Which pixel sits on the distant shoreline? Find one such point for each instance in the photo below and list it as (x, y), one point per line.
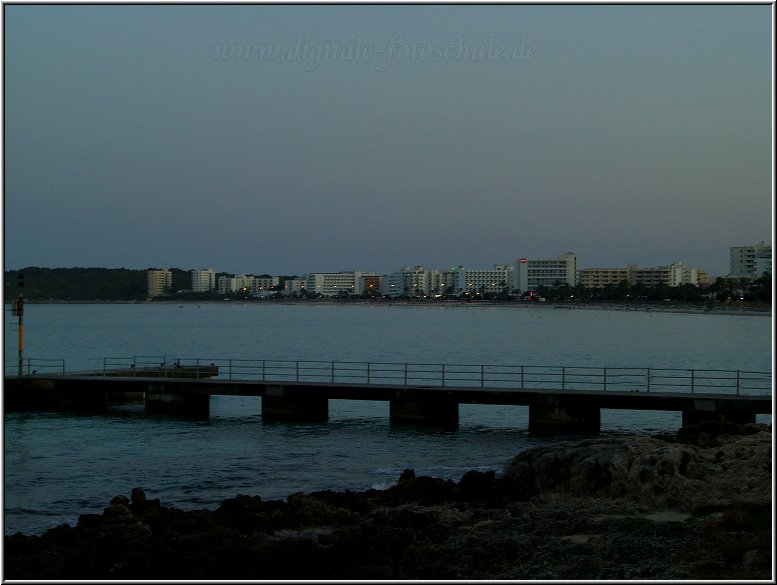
(643, 308)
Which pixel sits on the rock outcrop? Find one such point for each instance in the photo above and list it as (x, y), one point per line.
(701, 468)
(692, 506)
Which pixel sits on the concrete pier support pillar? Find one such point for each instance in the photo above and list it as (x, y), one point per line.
(161, 401)
(424, 413)
(282, 404)
(712, 410)
(557, 414)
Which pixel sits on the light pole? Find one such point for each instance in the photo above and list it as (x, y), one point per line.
(18, 310)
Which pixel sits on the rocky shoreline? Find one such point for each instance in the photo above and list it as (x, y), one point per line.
(695, 505)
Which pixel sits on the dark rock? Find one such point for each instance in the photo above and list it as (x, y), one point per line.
(711, 433)
(478, 486)
(138, 497)
(120, 501)
(423, 489)
(407, 478)
(650, 471)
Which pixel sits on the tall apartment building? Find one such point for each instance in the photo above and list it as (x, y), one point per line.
(294, 285)
(696, 276)
(263, 285)
(674, 274)
(333, 284)
(393, 285)
(371, 284)
(256, 286)
(232, 284)
(417, 281)
(671, 275)
(532, 273)
(751, 261)
(203, 280)
(496, 280)
(764, 262)
(159, 282)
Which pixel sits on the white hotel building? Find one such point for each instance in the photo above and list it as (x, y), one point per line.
(262, 286)
(256, 286)
(294, 286)
(414, 281)
(232, 284)
(495, 280)
(203, 280)
(333, 284)
(751, 261)
(418, 281)
(531, 273)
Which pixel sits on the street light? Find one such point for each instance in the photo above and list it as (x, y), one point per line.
(18, 310)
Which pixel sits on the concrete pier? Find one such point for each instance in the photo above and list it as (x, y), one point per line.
(551, 411)
(50, 394)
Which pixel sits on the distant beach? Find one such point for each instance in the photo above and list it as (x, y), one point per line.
(748, 311)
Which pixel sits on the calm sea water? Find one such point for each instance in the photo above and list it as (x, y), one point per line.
(58, 466)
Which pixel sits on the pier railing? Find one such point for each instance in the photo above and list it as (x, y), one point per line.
(654, 380)
(35, 366)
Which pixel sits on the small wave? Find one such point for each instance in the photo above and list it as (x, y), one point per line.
(35, 522)
(32, 512)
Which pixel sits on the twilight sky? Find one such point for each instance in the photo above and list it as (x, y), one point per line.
(374, 137)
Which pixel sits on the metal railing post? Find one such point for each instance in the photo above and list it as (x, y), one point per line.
(737, 382)
(263, 370)
(333, 372)
(648, 379)
(368, 372)
(605, 379)
(405, 373)
(693, 375)
(297, 368)
(563, 377)
(443, 374)
(481, 375)
(522, 377)
(230, 369)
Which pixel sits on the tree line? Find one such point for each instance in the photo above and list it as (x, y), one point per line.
(85, 284)
(756, 290)
(101, 284)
